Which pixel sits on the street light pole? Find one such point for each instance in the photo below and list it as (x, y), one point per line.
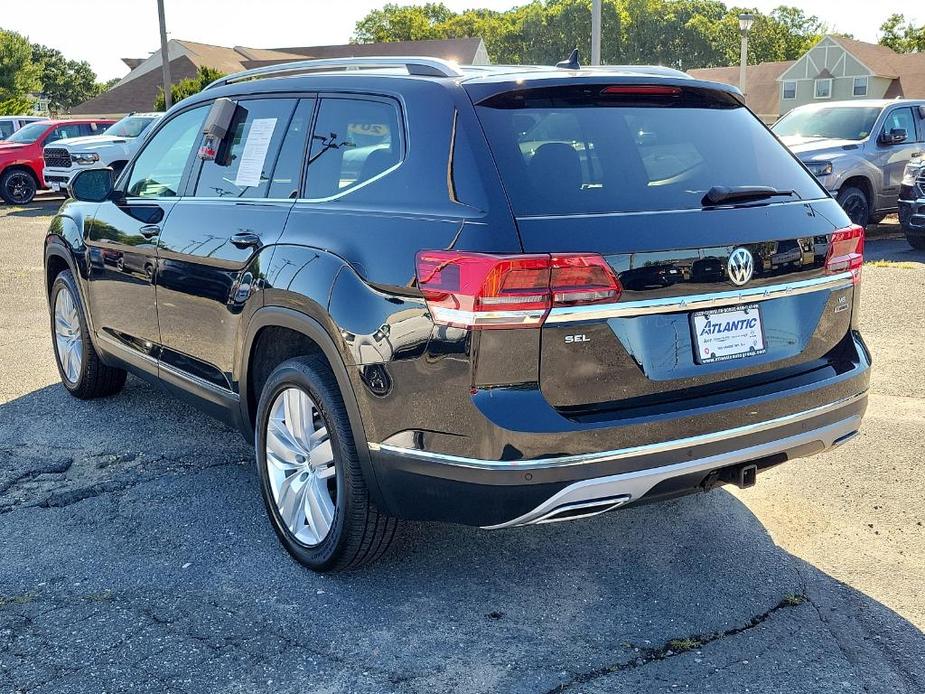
(595, 32)
(745, 23)
(165, 61)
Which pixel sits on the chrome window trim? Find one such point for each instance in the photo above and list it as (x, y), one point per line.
(696, 302)
(621, 453)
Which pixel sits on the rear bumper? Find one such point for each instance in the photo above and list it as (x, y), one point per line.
(573, 471)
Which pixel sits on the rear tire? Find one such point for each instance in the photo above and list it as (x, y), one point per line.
(855, 203)
(17, 186)
(309, 471)
(82, 372)
(917, 242)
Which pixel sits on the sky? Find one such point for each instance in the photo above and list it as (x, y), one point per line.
(104, 31)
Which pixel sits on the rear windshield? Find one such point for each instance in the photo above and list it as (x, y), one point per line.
(560, 151)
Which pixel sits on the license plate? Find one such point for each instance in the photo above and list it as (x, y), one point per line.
(727, 333)
(56, 187)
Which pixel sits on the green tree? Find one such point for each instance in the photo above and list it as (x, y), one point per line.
(902, 36)
(402, 23)
(19, 76)
(679, 33)
(65, 83)
(191, 85)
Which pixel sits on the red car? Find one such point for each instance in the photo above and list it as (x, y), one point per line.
(21, 162)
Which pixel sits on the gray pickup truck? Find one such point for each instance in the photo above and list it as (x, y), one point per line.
(858, 149)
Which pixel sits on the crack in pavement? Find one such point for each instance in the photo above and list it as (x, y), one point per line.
(676, 646)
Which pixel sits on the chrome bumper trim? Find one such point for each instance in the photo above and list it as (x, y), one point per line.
(697, 302)
(618, 454)
(607, 493)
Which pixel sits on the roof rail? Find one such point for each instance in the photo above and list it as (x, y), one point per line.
(428, 67)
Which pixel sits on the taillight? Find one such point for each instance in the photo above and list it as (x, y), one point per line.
(479, 290)
(846, 252)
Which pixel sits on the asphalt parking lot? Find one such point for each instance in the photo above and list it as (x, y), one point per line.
(135, 554)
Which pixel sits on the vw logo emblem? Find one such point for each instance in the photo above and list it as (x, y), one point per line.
(740, 267)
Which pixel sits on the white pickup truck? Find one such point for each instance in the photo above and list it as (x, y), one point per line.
(114, 148)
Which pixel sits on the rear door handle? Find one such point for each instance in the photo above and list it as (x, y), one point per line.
(149, 230)
(245, 239)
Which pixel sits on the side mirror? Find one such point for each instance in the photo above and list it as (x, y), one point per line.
(896, 136)
(92, 185)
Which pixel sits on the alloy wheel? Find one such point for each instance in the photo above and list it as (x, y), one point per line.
(300, 466)
(20, 187)
(856, 208)
(67, 335)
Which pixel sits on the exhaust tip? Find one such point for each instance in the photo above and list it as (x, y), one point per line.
(585, 509)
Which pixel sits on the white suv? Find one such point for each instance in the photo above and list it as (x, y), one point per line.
(114, 148)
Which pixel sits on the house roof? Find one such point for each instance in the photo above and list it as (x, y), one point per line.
(760, 82)
(137, 90)
(462, 51)
(878, 59)
(911, 81)
(137, 94)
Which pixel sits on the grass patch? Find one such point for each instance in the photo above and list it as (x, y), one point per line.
(24, 599)
(682, 645)
(792, 600)
(893, 264)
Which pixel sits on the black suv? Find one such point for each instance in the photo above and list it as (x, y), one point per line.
(496, 296)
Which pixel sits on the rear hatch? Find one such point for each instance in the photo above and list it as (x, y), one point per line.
(720, 239)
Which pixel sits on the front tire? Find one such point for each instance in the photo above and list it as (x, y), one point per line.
(309, 471)
(917, 242)
(17, 187)
(82, 372)
(855, 203)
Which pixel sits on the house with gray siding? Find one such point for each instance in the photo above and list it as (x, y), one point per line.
(835, 69)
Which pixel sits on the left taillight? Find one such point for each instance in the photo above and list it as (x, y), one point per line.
(846, 252)
(480, 290)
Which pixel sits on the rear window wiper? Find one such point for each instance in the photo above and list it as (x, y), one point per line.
(719, 195)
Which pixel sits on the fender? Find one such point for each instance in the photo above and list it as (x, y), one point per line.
(278, 316)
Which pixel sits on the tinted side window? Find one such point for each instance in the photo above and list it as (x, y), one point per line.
(901, 119)
(6, 129)
(246, 157)
(158, 170)
(63, 131)
(354, 140)
(286, 175)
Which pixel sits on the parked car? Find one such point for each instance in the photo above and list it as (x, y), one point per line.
(858, 149)
(21, 163)
(10, 124)
(912, 204)
(442, 332)
(113, 149)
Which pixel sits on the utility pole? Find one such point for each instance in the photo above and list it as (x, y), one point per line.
(745, 23)
(595, 32)
(165, 61)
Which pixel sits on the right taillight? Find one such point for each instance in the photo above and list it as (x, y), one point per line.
(481, 290)
(846, 252)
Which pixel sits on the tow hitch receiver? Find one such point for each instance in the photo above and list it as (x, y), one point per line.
(743, 476)
(748, 475)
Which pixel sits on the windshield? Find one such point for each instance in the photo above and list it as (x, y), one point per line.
(130, 126)
(574, 154)
(836, 123)
(28, 134)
